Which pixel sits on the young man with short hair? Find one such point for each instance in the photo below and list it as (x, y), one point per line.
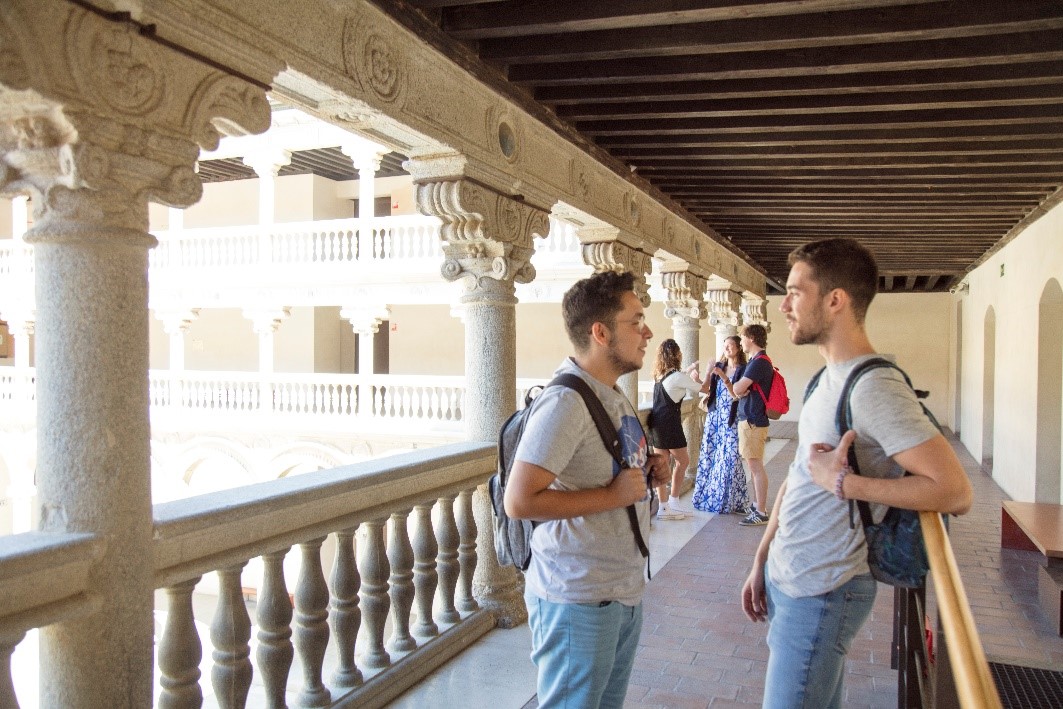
(585, 582)
(753, 417)
(810, 577)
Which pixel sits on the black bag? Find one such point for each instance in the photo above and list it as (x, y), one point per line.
(895, 551)
(513, 536)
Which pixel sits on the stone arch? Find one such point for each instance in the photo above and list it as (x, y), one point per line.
(1049, 394)
(218, 456)
(989, 345)
(307, 457)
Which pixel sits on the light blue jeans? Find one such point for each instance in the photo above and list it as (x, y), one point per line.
(809, 638)
(583, 651)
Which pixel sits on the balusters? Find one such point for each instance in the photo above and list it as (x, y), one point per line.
(8, 643)
(400, 556)
(179, 651)
(372, 565)
(424, 570)
(346, 616)
(274, 616)
(466, 552)
(447, 560)
(311, 626)
(230, 633)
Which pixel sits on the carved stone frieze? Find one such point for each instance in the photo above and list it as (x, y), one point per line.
(724, 306)
(96, 119)
(686, 295)
(486, 236)
(619, 257)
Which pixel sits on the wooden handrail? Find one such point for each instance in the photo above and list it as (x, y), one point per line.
(974, 683)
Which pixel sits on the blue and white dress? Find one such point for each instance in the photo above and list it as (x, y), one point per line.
(720, 485)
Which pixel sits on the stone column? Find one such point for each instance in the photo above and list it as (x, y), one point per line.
(365, 321)
(267, 162)
(366, 157)
(724, 307)
(264, 322)
(685, 306)
(175, 324)
(487, 243)
(617, 256)
(97, 120)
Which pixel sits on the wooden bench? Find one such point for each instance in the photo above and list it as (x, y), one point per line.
(1038, 526)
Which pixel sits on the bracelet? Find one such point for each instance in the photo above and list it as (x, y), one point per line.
(840, 480)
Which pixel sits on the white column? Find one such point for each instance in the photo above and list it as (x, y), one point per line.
(366, 157)
(365, 321)
(20, 217)
(267, 162)
(176, 324)
(264, 322)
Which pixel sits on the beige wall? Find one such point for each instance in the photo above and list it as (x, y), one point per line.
(426, 339)
(1029, 262)
(400, 188)
(5, 218)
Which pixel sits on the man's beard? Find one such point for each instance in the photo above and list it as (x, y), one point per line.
(810, 333)
(621, 365)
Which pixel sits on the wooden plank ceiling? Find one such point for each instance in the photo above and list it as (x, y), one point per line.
(931, 131)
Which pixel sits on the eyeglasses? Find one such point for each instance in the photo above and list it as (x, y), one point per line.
(639, 322)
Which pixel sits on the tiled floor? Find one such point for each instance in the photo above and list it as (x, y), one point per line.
(699, 650)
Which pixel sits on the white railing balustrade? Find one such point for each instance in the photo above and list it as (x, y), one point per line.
(395, 536)
(16, 261)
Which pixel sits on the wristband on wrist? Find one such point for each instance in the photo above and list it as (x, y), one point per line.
(839, 481)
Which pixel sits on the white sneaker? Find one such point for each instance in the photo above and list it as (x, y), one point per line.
(677, 506)
(667, 514)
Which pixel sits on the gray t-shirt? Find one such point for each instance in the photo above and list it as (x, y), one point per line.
(814, 551)
(591, 558)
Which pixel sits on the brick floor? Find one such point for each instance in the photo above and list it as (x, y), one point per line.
(699, 650)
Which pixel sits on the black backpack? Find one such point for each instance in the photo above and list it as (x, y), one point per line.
(895, 551)
(513, 536)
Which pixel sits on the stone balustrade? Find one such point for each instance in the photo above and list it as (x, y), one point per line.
(399, 543)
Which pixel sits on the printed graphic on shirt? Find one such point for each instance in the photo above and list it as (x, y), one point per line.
(633, 449)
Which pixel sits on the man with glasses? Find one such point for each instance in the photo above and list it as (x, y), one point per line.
(585, 582)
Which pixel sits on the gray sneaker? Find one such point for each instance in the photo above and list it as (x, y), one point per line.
(754, 519)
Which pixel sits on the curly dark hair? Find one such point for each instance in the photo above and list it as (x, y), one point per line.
(668, 358)
(593, 299)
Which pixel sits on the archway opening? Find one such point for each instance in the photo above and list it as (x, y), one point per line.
(988, 387)
(1049, 393)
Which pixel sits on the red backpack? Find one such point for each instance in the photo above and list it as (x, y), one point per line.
(777, 402)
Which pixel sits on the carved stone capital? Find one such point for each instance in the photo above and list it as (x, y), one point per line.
(615, 256)
(266, 320)
(724, 306)
(175, 322)
(365, 319)
(96, 119)
(686, 293)
(755, 311)
(486, 235)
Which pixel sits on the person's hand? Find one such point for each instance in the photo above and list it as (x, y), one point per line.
(629, 486)
(825, 462)
(754, 597)
(719, 372)
(657, 465)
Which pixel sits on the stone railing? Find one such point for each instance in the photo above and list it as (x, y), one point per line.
(398, 535)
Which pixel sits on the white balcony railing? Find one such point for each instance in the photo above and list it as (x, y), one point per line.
(311, 397)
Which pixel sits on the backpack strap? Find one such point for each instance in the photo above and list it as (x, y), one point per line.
(756, 386)
(610, 438)
(813, 383)
(844, 421)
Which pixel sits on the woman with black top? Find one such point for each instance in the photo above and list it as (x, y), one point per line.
(666, 425)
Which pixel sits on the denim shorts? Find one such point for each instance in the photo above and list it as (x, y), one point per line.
(809, 638)
(584, 652)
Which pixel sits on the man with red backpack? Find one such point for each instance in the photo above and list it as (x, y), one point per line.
(753, 416)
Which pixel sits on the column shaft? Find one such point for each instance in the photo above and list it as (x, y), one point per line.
(93, 467)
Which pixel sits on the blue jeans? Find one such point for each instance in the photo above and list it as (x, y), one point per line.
(583, 651)
(809, 638)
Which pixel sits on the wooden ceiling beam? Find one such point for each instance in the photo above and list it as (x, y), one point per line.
(515, 18)
(1040, 45)
(972, 18)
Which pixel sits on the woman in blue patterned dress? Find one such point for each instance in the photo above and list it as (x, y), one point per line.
(720, 485)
